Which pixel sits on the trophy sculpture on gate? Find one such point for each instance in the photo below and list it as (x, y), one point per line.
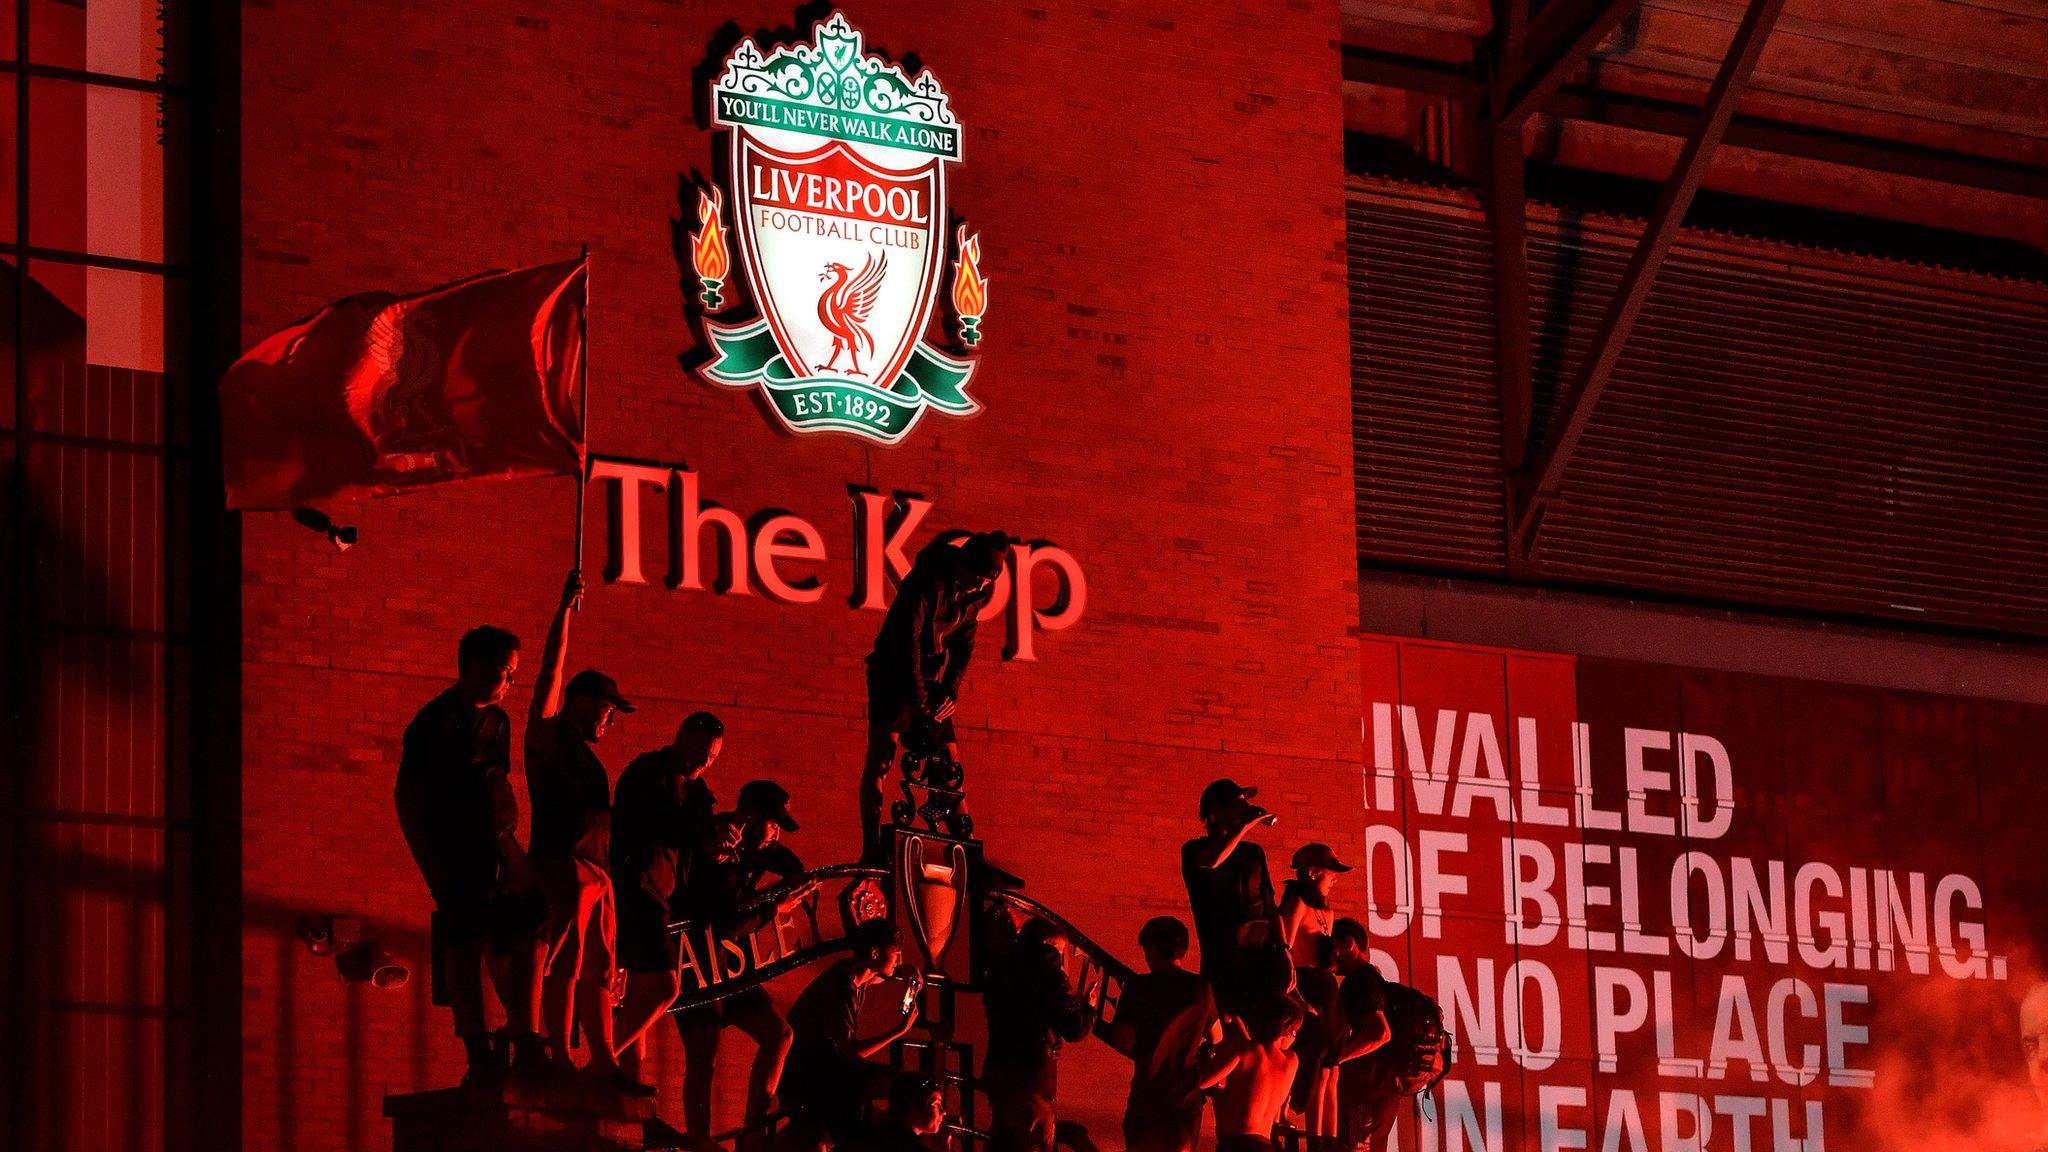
(936, 862)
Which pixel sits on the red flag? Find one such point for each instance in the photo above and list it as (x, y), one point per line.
(382, 393)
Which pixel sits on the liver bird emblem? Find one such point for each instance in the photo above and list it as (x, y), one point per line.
(843, 308)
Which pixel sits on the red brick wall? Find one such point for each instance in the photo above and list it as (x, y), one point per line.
(1158, 188)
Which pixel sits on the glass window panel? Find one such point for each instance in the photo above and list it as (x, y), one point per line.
(110, 911)
(95, 1081)
(52, 302)
(96, 735)
(141, 39)
(8, 16)
(103, 318)
(124, 328)
(10, 159)
(95, 524)
(56, 33)
(99, 163)
(117, 405)
(56, 164)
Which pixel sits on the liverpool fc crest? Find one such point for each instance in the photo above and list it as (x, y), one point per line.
(837, 181)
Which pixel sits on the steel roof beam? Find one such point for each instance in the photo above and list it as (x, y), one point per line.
(1562, 36)
(1534, 488)
(1671, 118)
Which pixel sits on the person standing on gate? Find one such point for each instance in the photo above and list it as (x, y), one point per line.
(460, 818)
(1163, 1017)
(722, 893)
(833, 1069)
(920, 655)
(572, 811)
(1031, 1012)
(1367, 1096)
(1306, 921)
(1230, 891)
(661, 810)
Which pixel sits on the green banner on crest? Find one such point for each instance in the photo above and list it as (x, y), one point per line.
(747, 354)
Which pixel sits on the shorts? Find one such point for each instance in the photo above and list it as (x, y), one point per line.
(467, 906)
(580, 912)
(461, 917)
(502, 921)
(1317, 988)
(645, 944)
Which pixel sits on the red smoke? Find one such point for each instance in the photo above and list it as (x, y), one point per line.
(1951, 1076)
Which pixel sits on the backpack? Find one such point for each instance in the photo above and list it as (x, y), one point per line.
(1418, 1049)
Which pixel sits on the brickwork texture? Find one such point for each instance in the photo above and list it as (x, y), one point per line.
(1158, 188)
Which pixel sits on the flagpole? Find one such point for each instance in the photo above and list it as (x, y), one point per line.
(583, 389)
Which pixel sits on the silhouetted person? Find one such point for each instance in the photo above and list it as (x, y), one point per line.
(1305, 925)
(2034, 1047)
(459, 816)
(1031, 1012)
(832, 1068)
(1367, 1095)
(661, 810)
(920, 654)
(722, 889)
(1163, 1017)
(571, 845)
(917, 1110)
(1229, 890)
(1253, 1069)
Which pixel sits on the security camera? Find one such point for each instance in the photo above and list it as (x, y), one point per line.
(365, 963)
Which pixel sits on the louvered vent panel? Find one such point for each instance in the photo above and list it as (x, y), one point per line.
(1425, 408)
(1786, 429)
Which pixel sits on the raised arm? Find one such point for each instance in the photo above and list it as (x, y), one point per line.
(547, 687)
(1207, 857)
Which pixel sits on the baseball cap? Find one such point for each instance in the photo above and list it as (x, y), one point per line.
(770, 798)
(1222, 793)
(591, 682)
(1319, 855)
